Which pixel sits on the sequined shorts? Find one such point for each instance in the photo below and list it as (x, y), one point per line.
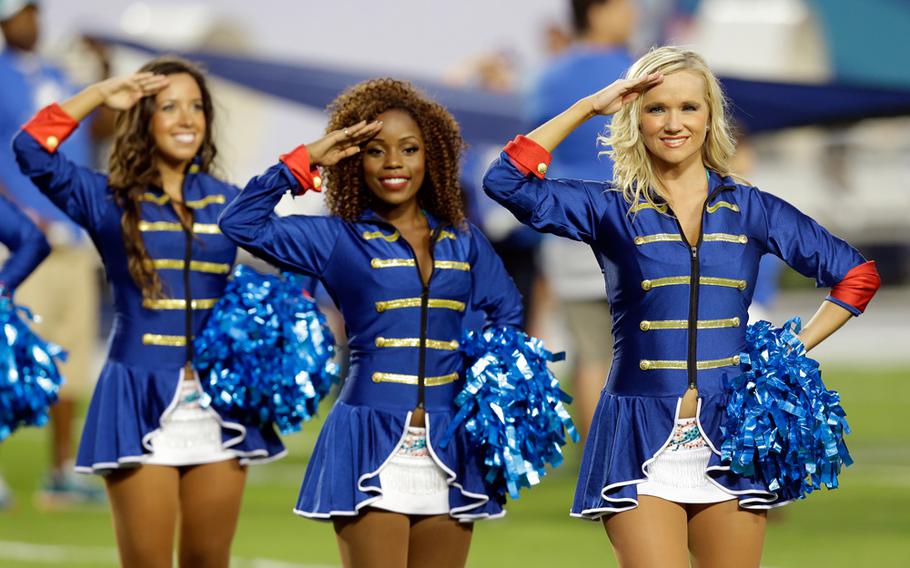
(189, 434)
(411, 481)
(677, 472)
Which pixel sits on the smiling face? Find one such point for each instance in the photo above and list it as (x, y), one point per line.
(394, 161)
(674, 120)
(178, 122)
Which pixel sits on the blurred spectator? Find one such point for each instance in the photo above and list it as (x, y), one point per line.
(63, 291)
(598, 56)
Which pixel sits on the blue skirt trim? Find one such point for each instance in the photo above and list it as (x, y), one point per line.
(356, 442)
(126, 411)
(627, 434)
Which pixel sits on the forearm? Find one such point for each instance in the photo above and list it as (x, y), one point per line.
(83, 103)
(828, 319)
(551, 133)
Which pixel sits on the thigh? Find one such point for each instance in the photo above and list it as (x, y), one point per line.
(210, 498)
(373, 539)
(439, 541)
(144, 503)
(652, 534)
(724, 535)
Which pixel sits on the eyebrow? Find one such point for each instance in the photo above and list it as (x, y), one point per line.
(379, 138)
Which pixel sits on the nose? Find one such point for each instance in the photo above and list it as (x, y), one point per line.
(673, 123)
(392, 159)
(185, 117)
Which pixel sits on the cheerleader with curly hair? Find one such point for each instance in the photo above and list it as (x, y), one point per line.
(404, 267)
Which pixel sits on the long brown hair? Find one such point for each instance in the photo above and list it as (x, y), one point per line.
(133, 167)
(347, 194)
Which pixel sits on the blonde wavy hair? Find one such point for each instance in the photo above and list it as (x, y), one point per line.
(633, 172)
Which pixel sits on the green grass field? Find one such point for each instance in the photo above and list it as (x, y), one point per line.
(865, 523)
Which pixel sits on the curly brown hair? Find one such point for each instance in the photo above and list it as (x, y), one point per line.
(346, 192)
(133, 167)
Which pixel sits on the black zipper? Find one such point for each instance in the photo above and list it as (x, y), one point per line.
(187, 289)
(424, 311)
(694, 288)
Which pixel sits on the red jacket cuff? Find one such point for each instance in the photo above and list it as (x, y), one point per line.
(306, 174)
(858, 286)
(528, 156)
(51, 126)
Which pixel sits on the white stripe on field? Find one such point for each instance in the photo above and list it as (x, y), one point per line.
(64, 554)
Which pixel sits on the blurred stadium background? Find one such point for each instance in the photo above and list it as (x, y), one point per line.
(276, 63)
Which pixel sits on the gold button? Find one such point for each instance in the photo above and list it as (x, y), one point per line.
(194, 169)
(380, 308)
(741, 285)
(736, 322)
(645, 285)
(52, 142)
(454, 344)
(380, 341)
(638, 240)
(644, 365)
(743, 239)
(736, 359)
(377, 377)
(645, 325)
(542, 168)
(317, 182)
(375, 263)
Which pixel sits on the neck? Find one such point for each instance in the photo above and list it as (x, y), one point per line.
(680, 180)
(403, 215)
(171, 175)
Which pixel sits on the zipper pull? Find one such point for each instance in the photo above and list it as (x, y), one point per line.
(694, 252)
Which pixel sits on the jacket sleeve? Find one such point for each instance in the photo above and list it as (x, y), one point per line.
(563, 207)
(298, 243)
(26, 244)
(493, 291)
(79, 192)
(814, 252)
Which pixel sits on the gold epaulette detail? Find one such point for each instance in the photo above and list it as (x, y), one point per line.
(703, 280)
(452, 265)
(370, 235)
(398, 262)
(725, 238)
(731, 206)
(164, 340)
(415, 303)
(641, 206)
(647, 325)
(650, 365)
(205, 201)
(195, 265)
(201, 228)
(156, 199)
(196, 204)
(391, 262)
(445, 235)
(727, 282)
(178, 304)
(657, 238)
(415, 342)
(413, 379)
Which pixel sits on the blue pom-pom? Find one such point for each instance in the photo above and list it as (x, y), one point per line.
(783, 427)
(511, 408)
(266, 353)
(29, 378)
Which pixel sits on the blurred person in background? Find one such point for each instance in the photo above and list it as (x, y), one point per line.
(680, 239)
(405, 268)
(28, 82)
(599, 55)
(169, 463)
